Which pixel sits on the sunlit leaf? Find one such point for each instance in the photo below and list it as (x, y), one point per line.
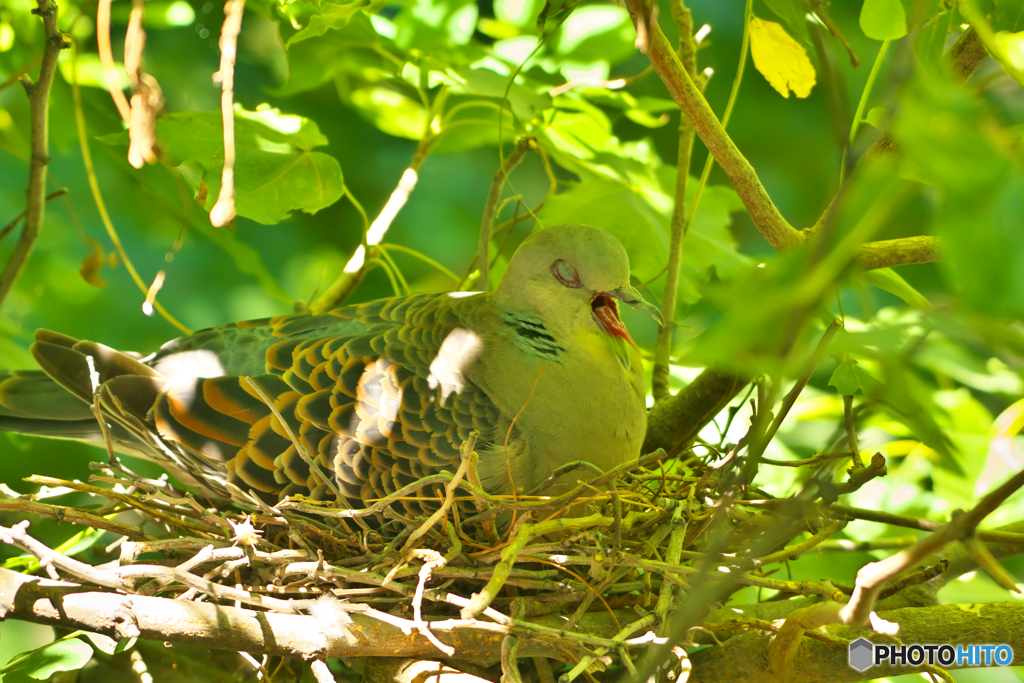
(596, 33)
(391, 111)
(521, 13)
(334, 16)
(883, 19)
(276, 169)
(1009, 51)
(875, 116)
(889, 280)
(849, 379)
(780, 59)
(41, 664)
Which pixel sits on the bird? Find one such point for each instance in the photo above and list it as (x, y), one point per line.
(377, 395)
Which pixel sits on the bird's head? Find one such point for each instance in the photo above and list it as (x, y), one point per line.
(576, 274)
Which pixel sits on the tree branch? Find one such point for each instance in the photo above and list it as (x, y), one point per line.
(825, 657)
(59, 603)
(675, 422)
(684, 91)
(966, 55)
(39, 100)
(899, 252)
(663, 349)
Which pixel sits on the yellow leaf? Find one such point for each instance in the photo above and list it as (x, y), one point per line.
(780, 59)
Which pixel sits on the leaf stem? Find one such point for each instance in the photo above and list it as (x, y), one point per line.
(422, 257)
(862, 105)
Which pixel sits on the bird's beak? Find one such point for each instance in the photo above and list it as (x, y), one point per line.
(629, 296)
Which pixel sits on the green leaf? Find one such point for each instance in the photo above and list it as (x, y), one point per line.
(849, 378)
(42, 663)
(875, 117)
(955, 143)
(355, 50)
(883, 19)
(526, 103)
(276, 171)
(599, 33)
(334, 16)
(390, 110)
(1005, 15)
(890, 281)
(521, 13)
(794, 13)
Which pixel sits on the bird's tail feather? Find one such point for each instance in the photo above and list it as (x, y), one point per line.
(57, 403)
(32, 403)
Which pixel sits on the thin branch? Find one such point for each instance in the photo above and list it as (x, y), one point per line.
(859, 611)
(966, 55)
(223, 212)
(16, 76)
(39, 105)
(675, 422)
(899, 252)
(684, 91)
(355, 269)
(893, 519)
(871, 577)
(790, 399)
(17, 219)
(663, 348)
(60, 513)
(491, 206)
(107, 59)
(320, 671)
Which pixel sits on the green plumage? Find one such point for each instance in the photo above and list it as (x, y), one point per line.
(377, 394)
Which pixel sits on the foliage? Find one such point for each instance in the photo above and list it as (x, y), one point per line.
(334, 101)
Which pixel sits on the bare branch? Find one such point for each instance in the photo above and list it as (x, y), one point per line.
(675, 422)
(223, 212)
(39, 104)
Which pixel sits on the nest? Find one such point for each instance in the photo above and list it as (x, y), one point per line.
(585, 577)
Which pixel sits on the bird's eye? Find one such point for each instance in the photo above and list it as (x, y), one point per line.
(566, 274)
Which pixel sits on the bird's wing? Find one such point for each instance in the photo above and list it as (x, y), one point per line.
(378, 395)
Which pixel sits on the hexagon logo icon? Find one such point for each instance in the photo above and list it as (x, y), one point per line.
(862, 654)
